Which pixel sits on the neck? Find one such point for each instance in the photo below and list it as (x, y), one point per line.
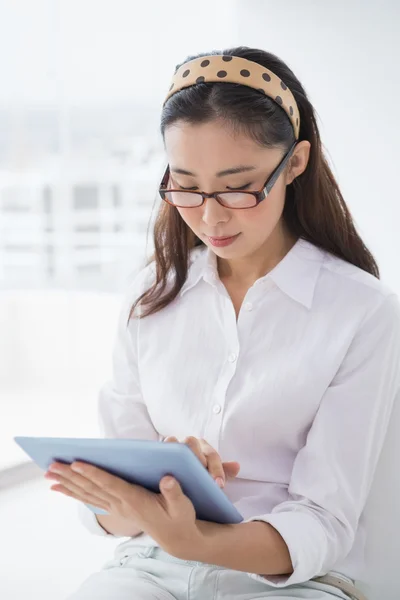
(244, 271)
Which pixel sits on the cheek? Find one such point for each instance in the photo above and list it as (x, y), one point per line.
(191, 216)
(265, 215)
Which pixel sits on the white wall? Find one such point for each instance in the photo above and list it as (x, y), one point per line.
(55, 354)
(345, 56)
(345, 53)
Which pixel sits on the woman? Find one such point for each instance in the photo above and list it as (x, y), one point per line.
(261, 336)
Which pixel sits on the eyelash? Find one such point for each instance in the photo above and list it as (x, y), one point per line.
(193, 189)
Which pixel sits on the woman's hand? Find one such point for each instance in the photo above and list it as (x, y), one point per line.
(169, 517)
(210, 459)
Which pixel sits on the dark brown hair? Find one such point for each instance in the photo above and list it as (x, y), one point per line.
(314, 206)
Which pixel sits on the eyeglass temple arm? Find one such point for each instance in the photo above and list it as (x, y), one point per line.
(280, 168)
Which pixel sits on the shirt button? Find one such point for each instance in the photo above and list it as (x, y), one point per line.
(248, 306)
(232, 357)
(216, 409)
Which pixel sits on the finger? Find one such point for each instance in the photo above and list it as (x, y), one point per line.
(86, 498)
(194, 445)
(231, 468)
(120, 495)
(214, 463)
(171, 438)
(79, 494)
(109, 485)
(80, 486)
(174, 497)
(94, 481)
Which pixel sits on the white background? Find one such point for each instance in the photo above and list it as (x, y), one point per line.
(94, 52)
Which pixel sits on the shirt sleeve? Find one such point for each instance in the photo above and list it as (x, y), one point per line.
(333, 472)
(122, 412)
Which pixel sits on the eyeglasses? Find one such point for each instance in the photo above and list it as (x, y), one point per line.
(236, 199)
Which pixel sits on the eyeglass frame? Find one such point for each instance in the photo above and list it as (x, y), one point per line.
(259, 195)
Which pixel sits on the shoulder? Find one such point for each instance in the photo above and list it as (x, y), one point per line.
(344, 285)
(144, 277)
(139, 280)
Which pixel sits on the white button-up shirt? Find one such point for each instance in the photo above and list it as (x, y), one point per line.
(298, 389)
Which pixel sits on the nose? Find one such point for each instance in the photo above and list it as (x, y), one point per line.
(214, 213)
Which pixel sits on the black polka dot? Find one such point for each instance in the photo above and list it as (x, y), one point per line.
(245, 73)
(200, 79)
(291, 111)
(297, 121)
(222, 74)
(171, 87)
(283, 86)
(279, 100)
(205, 63)
(186, 73)
(266, 77)
(227, 58)
(261, 90)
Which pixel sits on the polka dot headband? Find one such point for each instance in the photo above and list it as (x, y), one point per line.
(234, 69)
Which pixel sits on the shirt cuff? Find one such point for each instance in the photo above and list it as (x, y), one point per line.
(90, 522)
(307, 542)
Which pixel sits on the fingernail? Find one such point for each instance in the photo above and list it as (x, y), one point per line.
(77, 469)
(55, 470)
(168, 484)
(220, 482)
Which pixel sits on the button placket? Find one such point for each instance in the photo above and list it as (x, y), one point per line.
(213, 427)
(214, 423)
(245, 313)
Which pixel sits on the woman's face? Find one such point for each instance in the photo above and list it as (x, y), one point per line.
(206, 149)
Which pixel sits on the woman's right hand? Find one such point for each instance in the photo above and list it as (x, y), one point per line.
(210, 459)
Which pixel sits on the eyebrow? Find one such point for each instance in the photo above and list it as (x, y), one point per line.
(232, 171)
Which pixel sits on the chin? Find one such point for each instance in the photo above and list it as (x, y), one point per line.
(231, 251)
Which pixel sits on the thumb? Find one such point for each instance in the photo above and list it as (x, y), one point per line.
(172, 492)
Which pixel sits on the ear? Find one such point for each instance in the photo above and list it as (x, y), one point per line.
(298, 161)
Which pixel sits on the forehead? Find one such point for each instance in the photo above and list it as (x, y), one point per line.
(212, 146)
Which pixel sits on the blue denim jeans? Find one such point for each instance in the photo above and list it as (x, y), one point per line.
(149, 573)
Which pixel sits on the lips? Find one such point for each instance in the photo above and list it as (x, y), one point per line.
(223, 241)
(225, 237)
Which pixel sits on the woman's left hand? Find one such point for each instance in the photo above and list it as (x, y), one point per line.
(169, 517)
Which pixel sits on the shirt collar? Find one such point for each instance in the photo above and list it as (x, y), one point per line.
(296, 274)
(201, 260)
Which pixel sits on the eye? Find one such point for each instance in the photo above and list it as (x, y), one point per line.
(231, 189)
(242, 187)
(176, 185)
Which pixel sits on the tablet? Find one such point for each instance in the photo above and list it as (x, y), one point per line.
(141, 462)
